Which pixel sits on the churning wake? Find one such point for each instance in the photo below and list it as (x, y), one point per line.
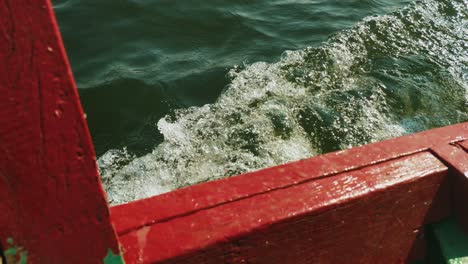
(388, 76)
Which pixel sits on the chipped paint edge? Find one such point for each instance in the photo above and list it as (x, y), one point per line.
(14, 253)
(112, 258)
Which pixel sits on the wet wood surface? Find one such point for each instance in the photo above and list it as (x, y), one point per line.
(365, 215)
(361, 205)
(179, 202)
(138, 223)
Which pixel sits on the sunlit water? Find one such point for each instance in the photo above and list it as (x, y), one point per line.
(375, 77)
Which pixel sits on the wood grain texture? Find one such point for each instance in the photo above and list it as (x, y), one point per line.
(362, 216)
(53, 209)
(352, 202)
(144, 212)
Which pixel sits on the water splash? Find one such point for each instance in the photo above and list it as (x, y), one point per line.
(388, 76)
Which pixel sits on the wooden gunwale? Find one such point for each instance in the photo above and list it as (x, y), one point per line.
(369, 203)
(242, 186)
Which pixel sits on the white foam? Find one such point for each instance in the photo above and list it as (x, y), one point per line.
(311, 101)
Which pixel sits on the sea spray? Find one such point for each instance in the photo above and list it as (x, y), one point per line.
(389, 75)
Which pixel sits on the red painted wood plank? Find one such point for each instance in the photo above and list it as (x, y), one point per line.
(53, 209)
(418, 251)
(456, 157)
(464, 144)
(160, 208)
(366, 215)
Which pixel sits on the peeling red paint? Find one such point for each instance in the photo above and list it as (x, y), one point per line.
(52, 203)
(218, 222)
(142, 235)
(361, 205)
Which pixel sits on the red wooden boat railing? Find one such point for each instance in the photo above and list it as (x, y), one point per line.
(364, 205)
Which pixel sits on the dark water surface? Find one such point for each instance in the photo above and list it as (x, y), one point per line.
(135, 60)
(360, 71)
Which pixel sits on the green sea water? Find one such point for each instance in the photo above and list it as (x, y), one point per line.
(180, 92)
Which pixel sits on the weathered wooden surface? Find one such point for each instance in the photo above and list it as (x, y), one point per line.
(364, 215)
(419, 250)
(52, 206)
(464, 144)
(203, 196)
(136, 222)
(456, 157)
(360, 205)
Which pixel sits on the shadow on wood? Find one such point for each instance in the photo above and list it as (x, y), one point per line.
(365, 204)
(52, 202)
